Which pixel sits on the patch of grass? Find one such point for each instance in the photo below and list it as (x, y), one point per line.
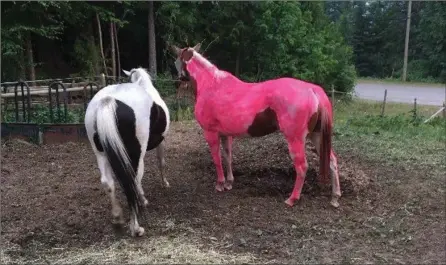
(399, 136)
(180, 109)
(181, 249)
(427, 83)
(41, 114)
(345, 109)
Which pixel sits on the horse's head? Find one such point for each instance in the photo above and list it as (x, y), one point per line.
(183, 55)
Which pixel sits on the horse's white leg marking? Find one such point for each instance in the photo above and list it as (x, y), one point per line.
(109, 186)
(227, 155)
(162, 163)
(212, 138)
(135, 229)
(335, 186)
(139, 179)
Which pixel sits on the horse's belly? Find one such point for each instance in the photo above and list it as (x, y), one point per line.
(234, 127)
(234, 124)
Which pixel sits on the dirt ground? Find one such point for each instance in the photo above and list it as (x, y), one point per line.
(54, 210)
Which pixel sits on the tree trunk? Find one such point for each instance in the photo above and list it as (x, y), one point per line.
(22, 64)
(100, 42)
(91, 39)
(259, 72)
(406, 43)
(113, 54)
(152, 45)
(30, 60)
(237, 62)
(117, 51)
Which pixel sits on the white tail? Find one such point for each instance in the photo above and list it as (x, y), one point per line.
(108, 131)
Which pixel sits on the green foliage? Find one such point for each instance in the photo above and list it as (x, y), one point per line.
(254, 40)
(431, 39)
(41, 114)
(321, 42)
(180, 109)
(264, 40)
(376, 31)
(87, 56)
(164, 84)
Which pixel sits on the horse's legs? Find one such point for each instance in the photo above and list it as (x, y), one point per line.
(227, 155)
(109, 186)
(296, 147)
(139, 176)
(213, 140)
(315, 138)
(162, 163)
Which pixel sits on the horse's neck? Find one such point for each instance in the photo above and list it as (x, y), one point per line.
(208, 76)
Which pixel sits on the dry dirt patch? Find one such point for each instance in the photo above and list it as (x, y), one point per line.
(53, 209)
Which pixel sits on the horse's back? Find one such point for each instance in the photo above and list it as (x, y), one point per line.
(129, 94)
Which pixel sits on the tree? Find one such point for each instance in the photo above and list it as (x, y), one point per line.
(36, 19)
(253, 40)
(152, 42)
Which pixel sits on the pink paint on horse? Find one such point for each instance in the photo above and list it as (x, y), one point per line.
(228, 107)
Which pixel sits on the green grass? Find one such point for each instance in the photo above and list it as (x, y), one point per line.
(399, 82)
(370, 107)
(397, 137)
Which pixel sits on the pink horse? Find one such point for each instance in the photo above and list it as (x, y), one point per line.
(226, 107)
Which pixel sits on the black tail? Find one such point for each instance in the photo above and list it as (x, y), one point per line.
(116, 127)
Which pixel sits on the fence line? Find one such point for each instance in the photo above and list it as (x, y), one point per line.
(24, 95)
(81, 78)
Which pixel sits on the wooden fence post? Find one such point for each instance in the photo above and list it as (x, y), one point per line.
(415, 107)
(103, 83)
(384, 103)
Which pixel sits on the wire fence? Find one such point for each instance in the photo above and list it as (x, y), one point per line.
(64, 100)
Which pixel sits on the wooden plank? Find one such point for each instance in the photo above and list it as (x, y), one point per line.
(45, 92)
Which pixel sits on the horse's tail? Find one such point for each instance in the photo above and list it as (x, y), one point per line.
(326, 133)
(110, 113)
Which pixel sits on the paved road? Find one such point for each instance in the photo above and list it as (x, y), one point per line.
(425, 94)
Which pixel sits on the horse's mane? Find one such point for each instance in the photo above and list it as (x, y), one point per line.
(140, 73)
(209, 67)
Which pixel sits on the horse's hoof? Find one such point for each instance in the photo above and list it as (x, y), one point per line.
(145, 202)
(228, 185)
(334, 202)
(138, 232)
(290, 202)
(220, 186)
(166, 184)
(118, 220)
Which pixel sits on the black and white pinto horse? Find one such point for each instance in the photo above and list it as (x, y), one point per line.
(123, 121)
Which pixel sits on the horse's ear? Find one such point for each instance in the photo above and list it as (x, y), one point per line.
(174, 49)
(197, 47)
(126, 72)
